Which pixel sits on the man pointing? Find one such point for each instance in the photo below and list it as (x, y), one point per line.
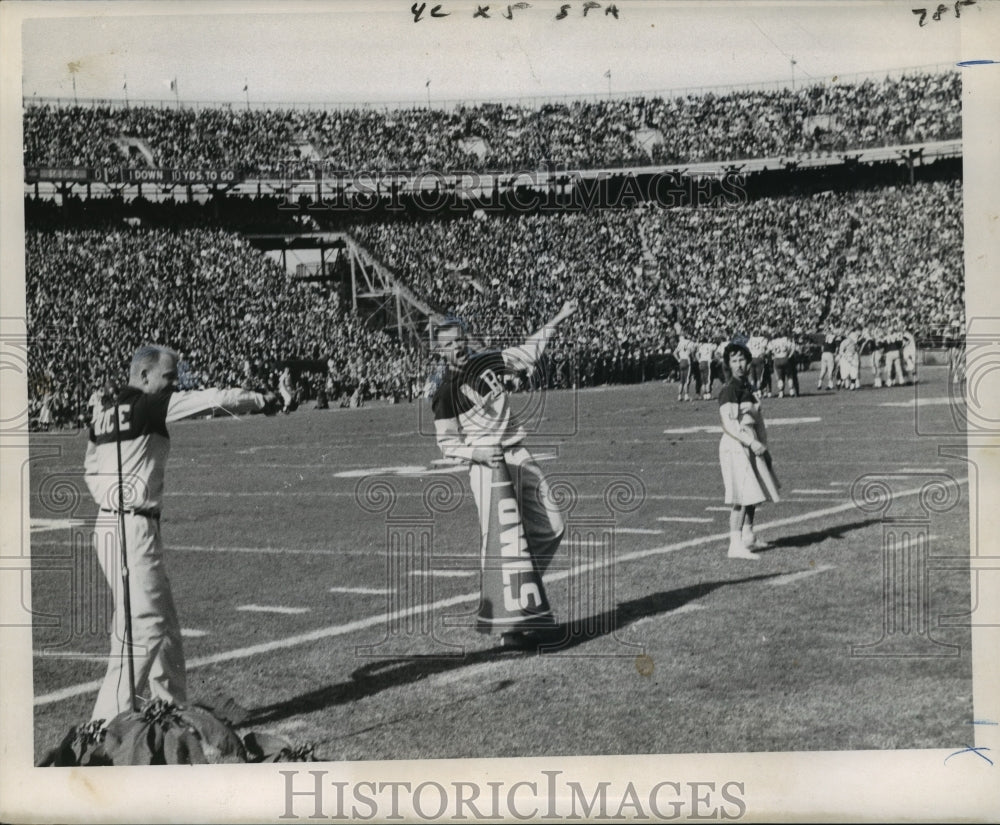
(124, 465)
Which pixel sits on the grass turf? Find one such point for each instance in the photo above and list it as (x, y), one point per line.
(675, 650)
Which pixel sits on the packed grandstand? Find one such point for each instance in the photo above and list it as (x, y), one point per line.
(836, 116)
(838, 251)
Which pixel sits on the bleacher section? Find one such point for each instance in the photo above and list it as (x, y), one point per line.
(799, 253)
(637, 131)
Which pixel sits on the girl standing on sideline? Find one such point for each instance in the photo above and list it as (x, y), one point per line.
(743, 454)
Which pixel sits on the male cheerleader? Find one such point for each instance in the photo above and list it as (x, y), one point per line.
(475, 424)
(124, 466)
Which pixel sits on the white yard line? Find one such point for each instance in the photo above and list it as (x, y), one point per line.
(333, 631)
(448, 574)
(405, 470)
(367, 551)
(922, 402)
(921, 470)
(70, 654)
(690, 607)
(418, 494)
(323, 551)
(263, 608)
(212, 548)
(802, 574)
(320, 493)
(367, 591)
(771, 422)
(409, 471)
(39, 525)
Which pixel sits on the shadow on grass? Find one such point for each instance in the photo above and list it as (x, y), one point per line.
(383, 674)
(816, 536)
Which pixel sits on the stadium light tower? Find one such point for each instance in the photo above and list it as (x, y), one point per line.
(793, 62)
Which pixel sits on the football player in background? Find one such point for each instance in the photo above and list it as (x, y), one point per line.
(894, 359)
(877, 339)
(910, 357)
(705, 354)
(687, 367)
(826, 362)
(850, 360)
(782, 351)
(759, 379)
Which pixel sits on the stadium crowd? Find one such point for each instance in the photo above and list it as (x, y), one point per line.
(634, 131)
(885, 257)
(230, 312)
(888, 258)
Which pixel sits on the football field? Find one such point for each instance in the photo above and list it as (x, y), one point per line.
(326, 572)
